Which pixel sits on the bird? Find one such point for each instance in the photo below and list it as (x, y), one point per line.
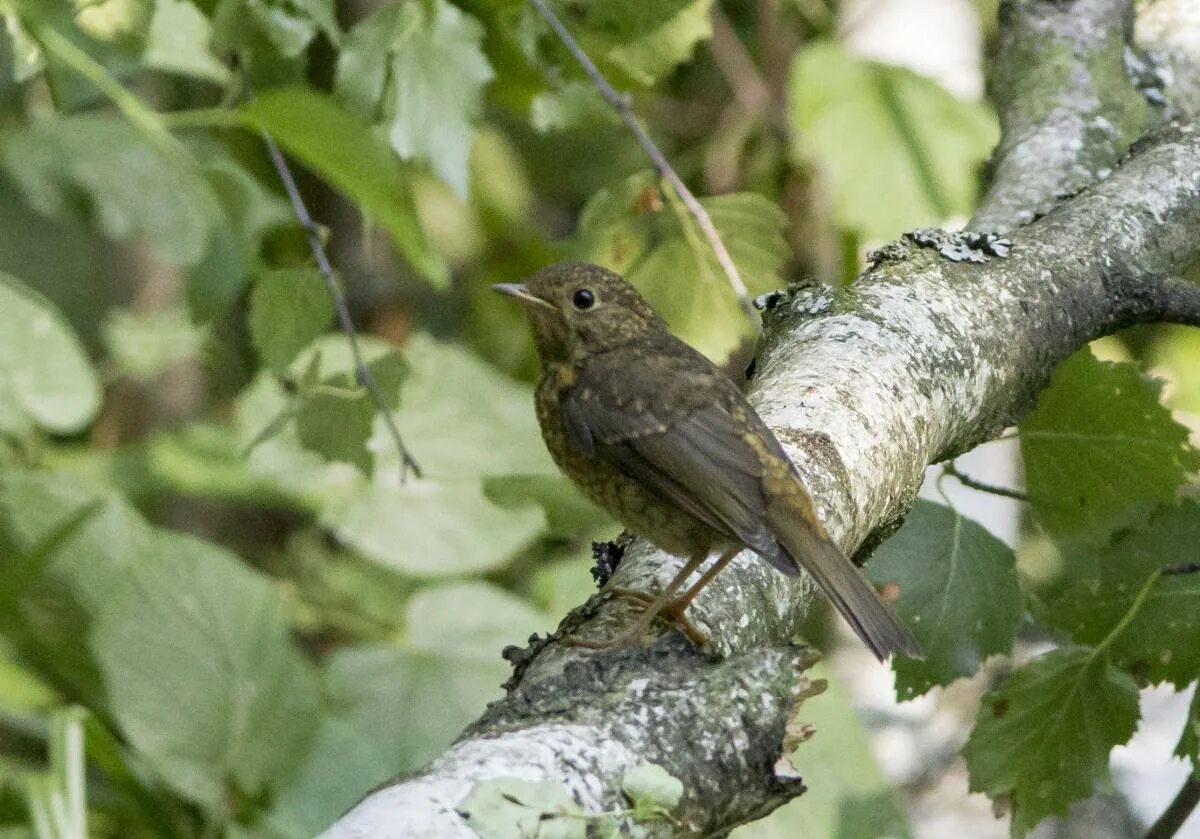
(654, 433)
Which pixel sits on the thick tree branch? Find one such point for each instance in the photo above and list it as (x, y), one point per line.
(921, 359)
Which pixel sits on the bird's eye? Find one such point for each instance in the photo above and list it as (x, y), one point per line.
(583, 299)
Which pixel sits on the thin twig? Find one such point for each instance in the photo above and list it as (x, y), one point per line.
(732, 58)
(1177, 811)
(361, 372)
(949, 468)
(1183, 568)
(621, 105)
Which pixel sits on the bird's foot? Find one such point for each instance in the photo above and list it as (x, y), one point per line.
(672, 613)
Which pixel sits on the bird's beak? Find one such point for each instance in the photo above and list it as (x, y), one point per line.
(522, 293)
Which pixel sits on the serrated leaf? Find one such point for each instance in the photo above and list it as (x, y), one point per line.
(514, 808)
(289, 309)
(1044, 738)
(131, 187)
(438, 72)
(637, 230)
(875, 129)
(1189, 740)
(958, 593)
(44, 369)
(650, 786)
(144, 345)
(1161, 641)
(179, 40)
(363, 62)
(432, 529)
(348, 154)
(1100, 451)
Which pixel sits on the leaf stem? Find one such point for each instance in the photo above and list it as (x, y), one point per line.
(362, 373)
(142, 117)
(1130, 613)
(1178, 810)
(951, 468)
(620, 103)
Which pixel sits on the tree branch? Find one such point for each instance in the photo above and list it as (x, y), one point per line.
(920, 360)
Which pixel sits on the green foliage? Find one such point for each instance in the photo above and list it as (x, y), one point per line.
(145, 234)
(130, 185)
(512, 808)
(327, 138)
(45, 377)
(898, 150)
(1189, 741)
(644, 232)
(289, 309)
(1075, 705)
(1100, 451)
(652, 790)
(419, 69)
(1162, 640)
(958, 592)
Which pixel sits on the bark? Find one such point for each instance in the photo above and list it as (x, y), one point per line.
(926, 355)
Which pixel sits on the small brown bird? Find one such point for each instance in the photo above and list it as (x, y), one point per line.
(654, 433)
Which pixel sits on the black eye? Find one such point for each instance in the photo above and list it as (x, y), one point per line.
(583, 299)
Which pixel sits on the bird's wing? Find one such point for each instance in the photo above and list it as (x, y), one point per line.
(674, 431)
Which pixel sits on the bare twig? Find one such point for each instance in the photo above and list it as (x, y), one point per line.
(949, 468)
(621, 105)
(1183, 568)
(1177, 811)
(361, 372)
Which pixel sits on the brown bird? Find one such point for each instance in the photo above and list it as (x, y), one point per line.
(658, 436)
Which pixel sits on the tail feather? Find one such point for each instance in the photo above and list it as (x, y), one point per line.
(872, 620)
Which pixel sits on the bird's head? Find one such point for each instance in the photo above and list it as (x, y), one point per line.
(576, 309)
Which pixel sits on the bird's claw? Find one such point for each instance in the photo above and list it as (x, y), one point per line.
(672, 613)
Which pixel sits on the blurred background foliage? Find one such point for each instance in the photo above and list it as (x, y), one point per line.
(205, 540)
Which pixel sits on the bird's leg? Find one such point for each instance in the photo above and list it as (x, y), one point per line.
(677, 606)
(652, 609)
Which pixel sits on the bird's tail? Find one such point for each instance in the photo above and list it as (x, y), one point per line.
(843, 584)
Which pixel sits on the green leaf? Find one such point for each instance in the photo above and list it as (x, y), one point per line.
(877, 130)
(1189, 740)
(438, 75)
(337, 425)
(1100, 451)
(1161, 642)
(651, 787)
(513, 808)
(421, 65)
(432, 529)
(43, 367)
(27, 58)
(215, 693)
(958, 593)
(143, 345)
(485, 616)
(484, 425)
(637, 230)
(348, 154)
(1045, 736)
(649, 57)
(189, 644)
(289, 309)
(132, 187)
(179, 40)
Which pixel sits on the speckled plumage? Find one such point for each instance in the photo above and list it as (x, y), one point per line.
(654, 433)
